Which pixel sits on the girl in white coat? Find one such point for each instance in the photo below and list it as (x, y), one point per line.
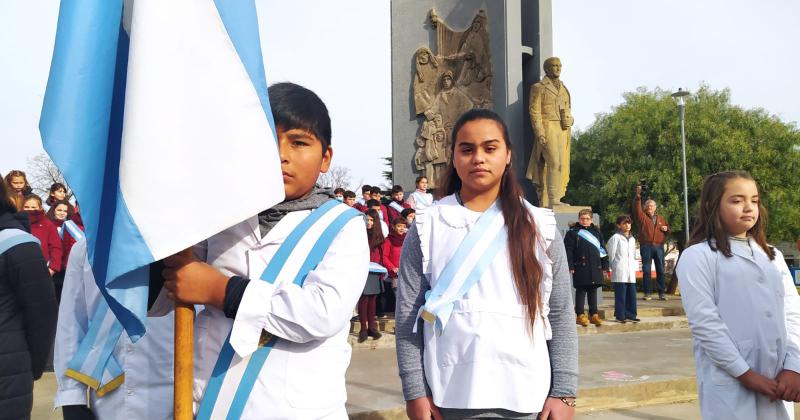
(622, 260)
(743, 308)
(487, 272)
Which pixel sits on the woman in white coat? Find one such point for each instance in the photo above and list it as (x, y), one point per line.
(743, 308)
(622, 261)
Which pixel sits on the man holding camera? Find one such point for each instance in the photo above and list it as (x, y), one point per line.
(653, 231)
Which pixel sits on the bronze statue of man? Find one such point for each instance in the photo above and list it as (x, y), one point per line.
(551, 117)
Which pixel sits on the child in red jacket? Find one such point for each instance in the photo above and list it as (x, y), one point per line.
(392, 247)
(70, 230)
(374, 286)
(396, 206)
(45, 231)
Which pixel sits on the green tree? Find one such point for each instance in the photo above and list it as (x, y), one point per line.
(388, 174)
(640, 139)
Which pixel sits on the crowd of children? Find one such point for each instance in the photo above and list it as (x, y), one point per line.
(387, 223)
(55, 222)
(482, 284)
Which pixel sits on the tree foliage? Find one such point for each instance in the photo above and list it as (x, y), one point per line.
(640, 139)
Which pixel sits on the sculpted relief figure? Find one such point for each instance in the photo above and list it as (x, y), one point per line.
(551, 117)
(425, 79)
(446, 84)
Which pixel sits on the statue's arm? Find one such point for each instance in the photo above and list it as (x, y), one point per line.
(535, 110)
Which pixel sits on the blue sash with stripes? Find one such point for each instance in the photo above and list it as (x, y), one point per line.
(473, 256)
(588, 237)
(422, 198)
(73, 230)
(10, 238)
(397, 207)
(94, 363)
(255, 362)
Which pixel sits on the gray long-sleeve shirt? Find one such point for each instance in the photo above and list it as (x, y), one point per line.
(563, 347)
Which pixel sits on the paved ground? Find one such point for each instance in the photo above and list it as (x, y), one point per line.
(606, 361)
(614, 368)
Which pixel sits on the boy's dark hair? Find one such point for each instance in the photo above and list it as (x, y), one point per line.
(624, 218)
(406, 212)
(375, 190)
(372, 203)
(366, 188)
(399, 221)
(349, 194)
(339, 190)
(295, 107)
(397, 189)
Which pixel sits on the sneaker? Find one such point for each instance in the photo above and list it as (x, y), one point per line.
(362, 336)
(620, 321)
(634, 319)
(374, 334)
(662, 297)
(596, 320)
(582, 320)
(647, 297)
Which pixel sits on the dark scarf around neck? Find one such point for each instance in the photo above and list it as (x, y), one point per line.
(267, 219)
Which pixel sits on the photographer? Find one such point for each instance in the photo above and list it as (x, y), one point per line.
(653, 231)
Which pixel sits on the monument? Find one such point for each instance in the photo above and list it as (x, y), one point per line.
(446, 84)
(449, 56)
(551, 119)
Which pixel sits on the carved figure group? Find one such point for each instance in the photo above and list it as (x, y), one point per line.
(447, 84)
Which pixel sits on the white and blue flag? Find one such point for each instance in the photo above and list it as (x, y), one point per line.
(153, 111)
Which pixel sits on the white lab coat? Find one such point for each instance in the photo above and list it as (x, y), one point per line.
(622, 258)
(304, 375)
(147, 390)
(744, 313)
(485, 358)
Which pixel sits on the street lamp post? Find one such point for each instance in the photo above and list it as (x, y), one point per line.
(680, 98)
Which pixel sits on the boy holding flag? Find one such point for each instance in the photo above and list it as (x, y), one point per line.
(278, 288)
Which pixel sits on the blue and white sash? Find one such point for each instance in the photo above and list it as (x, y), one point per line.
(588, 237)
(239, 374)
(397, 207)
(10, 238)
(465, 268)
(425, 199)
(377, 268)
(73, 230)
(94, 363)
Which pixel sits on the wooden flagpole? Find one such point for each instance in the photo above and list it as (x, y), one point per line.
(184, 356)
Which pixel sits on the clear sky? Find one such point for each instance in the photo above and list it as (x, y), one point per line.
(614, 46)
(341, 50)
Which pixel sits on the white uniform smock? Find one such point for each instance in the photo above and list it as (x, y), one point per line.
(485, 357)
(147, 390)
(304, 375)
(744, 313)
(622, 258)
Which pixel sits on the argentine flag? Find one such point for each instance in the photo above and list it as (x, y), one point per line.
(157, 114)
